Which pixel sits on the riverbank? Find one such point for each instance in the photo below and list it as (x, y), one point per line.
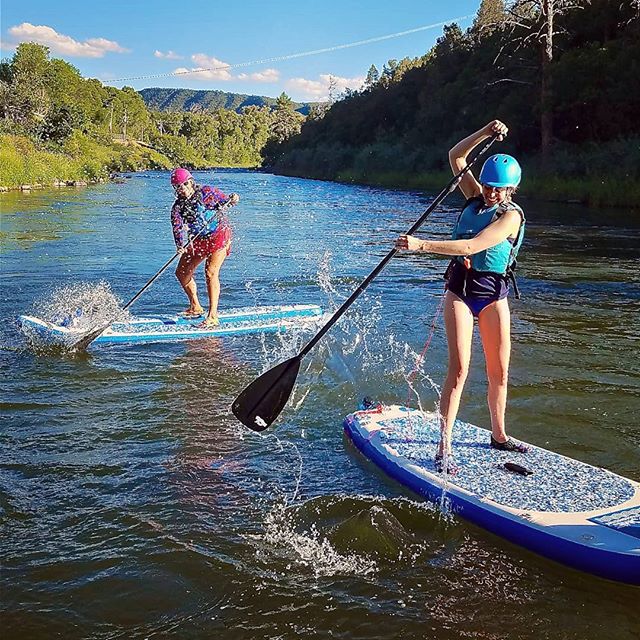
(592, 190)
(80, 160)
(25, 166)
(595, 175)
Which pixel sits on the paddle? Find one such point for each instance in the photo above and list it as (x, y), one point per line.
(260, 403)
(86, 340)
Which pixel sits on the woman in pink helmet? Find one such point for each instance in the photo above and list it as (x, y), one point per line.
(197, 215)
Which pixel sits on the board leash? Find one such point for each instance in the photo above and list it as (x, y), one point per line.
(412, 375)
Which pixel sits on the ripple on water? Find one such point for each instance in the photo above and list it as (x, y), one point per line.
(134, 505)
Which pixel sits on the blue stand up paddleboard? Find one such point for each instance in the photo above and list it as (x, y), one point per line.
(163, 328)
(569, 511)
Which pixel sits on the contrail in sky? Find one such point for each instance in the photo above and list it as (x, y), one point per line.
(303, 54)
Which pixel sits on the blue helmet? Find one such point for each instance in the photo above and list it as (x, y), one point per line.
(501, 170)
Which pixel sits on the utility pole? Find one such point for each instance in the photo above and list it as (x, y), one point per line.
(111, 120)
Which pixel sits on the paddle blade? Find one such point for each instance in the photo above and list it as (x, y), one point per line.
(86, 340)
(261, 402)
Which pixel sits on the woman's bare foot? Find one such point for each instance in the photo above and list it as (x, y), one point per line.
(192, 312)
(209, 322)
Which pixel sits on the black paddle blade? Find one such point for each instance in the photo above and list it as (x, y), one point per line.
(86, 340)
(261, 402)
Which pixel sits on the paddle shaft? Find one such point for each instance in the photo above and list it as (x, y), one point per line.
(455, 181)
(160, 272)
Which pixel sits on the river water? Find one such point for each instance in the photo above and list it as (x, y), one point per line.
(133, 505)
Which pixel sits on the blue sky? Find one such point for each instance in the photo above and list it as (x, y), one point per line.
(119, 41)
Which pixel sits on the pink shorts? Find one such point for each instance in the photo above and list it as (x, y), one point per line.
(216, 241)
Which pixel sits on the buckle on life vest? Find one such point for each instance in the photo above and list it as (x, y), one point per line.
(467, 262)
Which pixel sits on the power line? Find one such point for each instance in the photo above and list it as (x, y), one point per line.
(291, 56)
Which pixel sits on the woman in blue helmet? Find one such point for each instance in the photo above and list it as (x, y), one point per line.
(485, 242)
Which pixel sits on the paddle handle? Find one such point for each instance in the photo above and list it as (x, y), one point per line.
(453, 184)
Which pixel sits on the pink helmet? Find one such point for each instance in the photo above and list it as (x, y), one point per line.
(179, 176)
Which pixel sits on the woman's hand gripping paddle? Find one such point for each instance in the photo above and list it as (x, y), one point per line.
(260, 403)
(87, 339)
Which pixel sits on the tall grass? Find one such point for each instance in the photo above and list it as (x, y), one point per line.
(21, 163)
(79, 158)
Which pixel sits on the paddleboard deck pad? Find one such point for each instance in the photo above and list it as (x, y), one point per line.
(582, 516)
(165, 327)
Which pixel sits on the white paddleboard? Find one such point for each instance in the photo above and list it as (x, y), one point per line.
(582, 516)
(164, 328)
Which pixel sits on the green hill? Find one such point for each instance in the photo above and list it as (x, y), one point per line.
(160, 99)
(57, 127)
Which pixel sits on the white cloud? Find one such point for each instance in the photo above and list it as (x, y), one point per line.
(169, 55)
(268, 75)
(208, 68)
(319, 89)
(65, 45)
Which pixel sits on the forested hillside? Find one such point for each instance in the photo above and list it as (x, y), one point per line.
(58, 127)
(565, 76)
(158, 99)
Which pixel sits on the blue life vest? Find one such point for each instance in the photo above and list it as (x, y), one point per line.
(474, 218)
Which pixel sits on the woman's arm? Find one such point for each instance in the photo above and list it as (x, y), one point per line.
(469, 186)
(177, 225)
(504, 227)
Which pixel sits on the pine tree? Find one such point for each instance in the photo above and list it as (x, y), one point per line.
(373, 75)
(286, 121)
(538, 18)
(491, 14)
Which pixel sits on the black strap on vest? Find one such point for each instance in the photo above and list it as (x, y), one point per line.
(512, 262)
(511, 276)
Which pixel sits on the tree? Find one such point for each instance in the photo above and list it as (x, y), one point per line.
(318, 111)
(286, 120)
(28, 102)
(132, 114)
(388, 69)
(537, 18)
(373, 75)
(6, 76)
(332, 90)
(491, 15)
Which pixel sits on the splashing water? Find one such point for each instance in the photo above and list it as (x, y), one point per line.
(81, 308)
(83, 305)
(311, 549)
(324, 278)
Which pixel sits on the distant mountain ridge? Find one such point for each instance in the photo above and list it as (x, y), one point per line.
(186, 99)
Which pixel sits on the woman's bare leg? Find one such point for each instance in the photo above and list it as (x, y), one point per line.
(458, 321)
(187, 265)
(494, 323)
(212, 270)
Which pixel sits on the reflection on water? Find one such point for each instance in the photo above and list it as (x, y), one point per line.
(150, 512)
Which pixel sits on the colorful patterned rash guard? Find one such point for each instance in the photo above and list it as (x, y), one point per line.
(199, 214)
